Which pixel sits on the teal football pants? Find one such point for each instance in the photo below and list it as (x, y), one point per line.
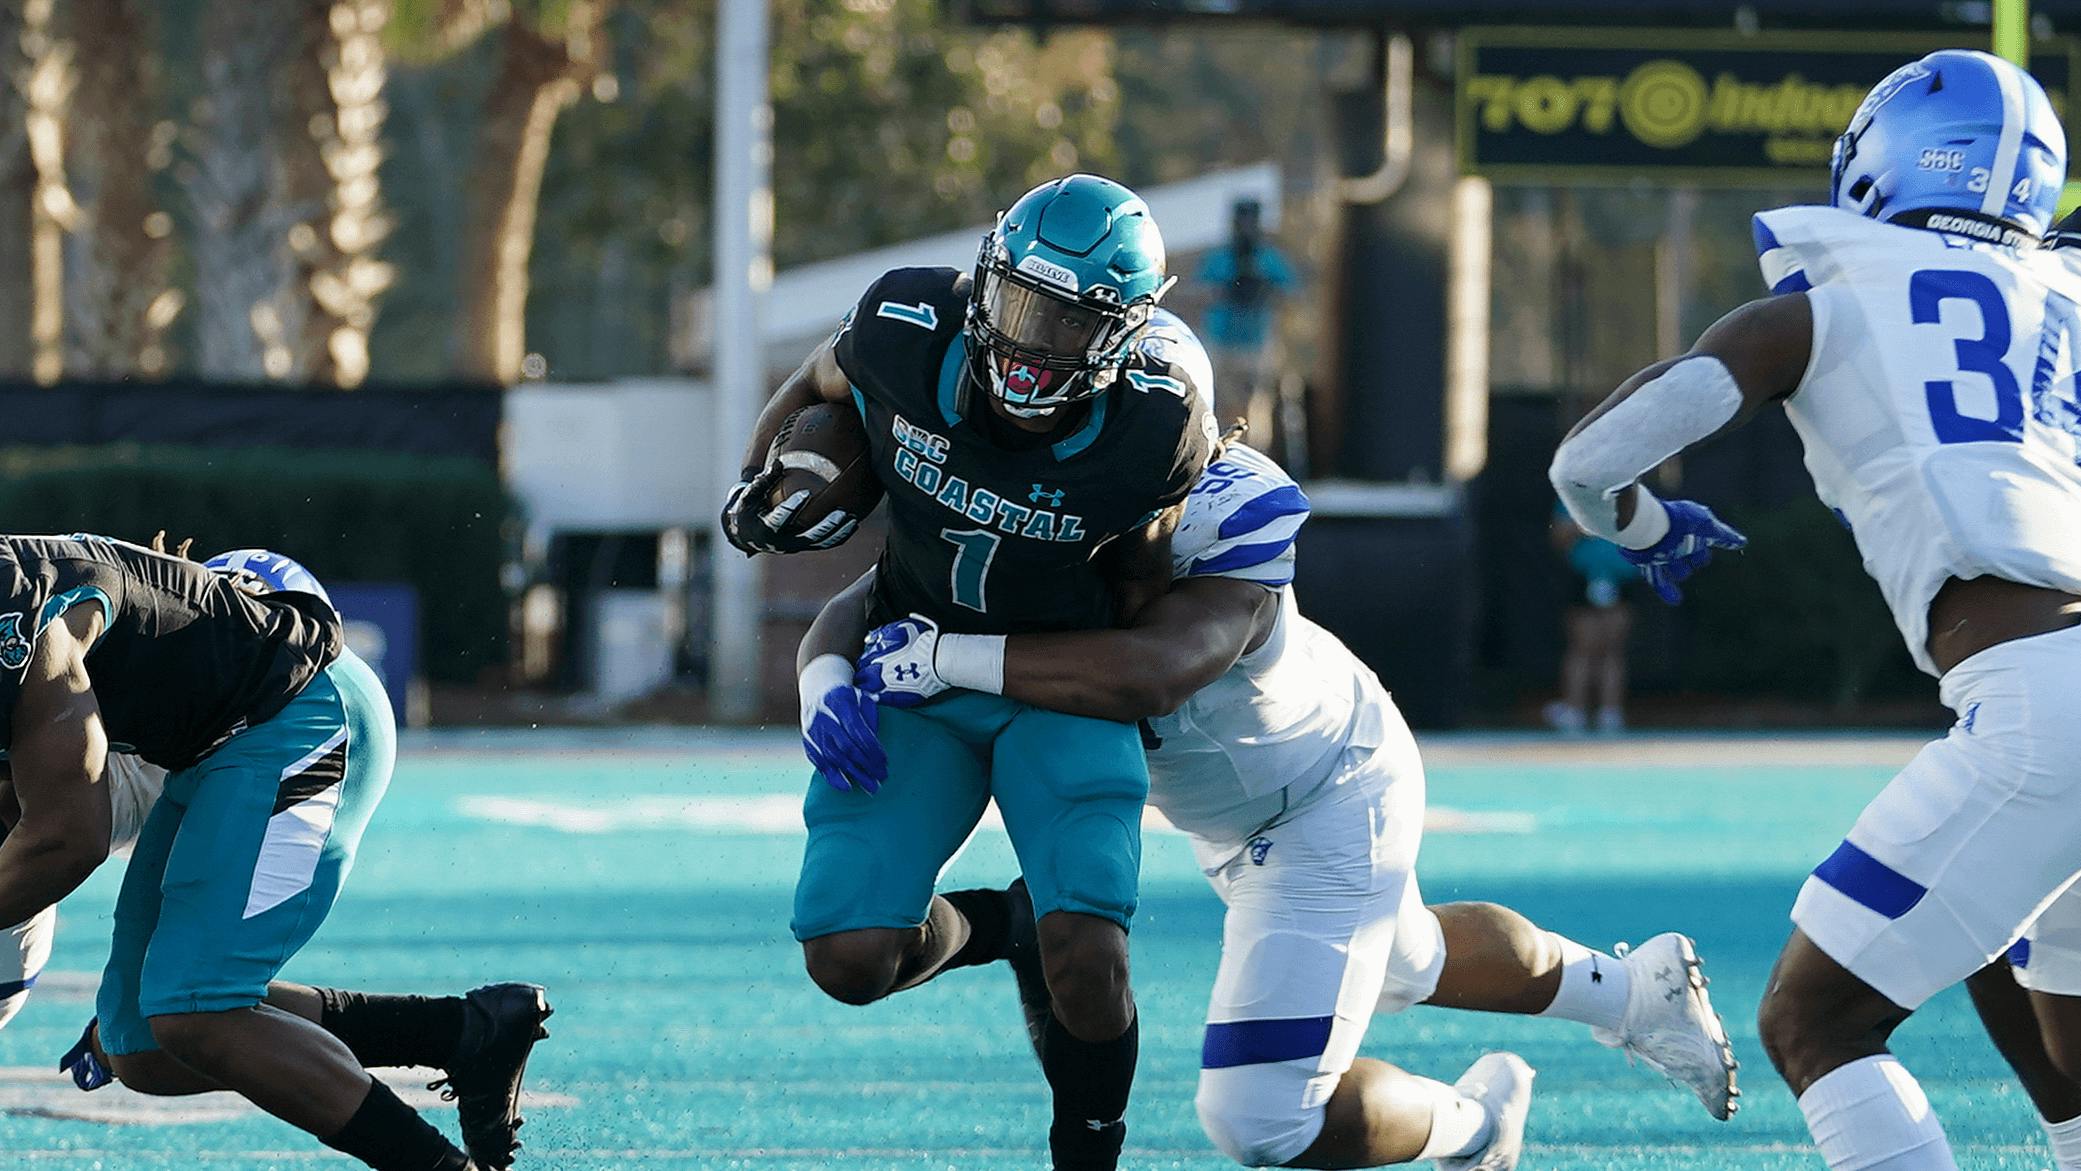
(242, 857)
(1070, 789)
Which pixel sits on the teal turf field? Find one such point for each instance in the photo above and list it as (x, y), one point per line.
(646, 879)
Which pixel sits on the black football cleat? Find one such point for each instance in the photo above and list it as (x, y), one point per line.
(501, 1023)
(1022, 951)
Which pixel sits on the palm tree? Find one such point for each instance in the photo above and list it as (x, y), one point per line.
(119, 300)
(547, 55)
(542, 69)
(282, 182)
(17, 196)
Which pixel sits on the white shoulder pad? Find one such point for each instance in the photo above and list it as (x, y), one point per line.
(1801, 248)
(1168, 340)
(1240, 521)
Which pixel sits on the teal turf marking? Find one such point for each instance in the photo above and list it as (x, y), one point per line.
(690, 1039)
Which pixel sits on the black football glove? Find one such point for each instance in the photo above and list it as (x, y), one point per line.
(755, 531)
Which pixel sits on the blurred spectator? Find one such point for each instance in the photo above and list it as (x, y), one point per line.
(1598, 624)
(1246, 277)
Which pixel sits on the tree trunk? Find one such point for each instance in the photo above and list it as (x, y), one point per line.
(53, 214)
(17, 197)
(118, 298)
(287, 281)
(332, 146)
(239, 247)
(537, 78)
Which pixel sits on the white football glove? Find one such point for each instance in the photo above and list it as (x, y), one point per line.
(898, 666)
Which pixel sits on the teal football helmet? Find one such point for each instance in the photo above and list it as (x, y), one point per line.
(1063, 286)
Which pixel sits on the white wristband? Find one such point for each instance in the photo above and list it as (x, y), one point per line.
(973, 661)
(1649, 525)
(823, 673)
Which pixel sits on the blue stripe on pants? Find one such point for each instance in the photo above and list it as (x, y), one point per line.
(1235, 1043)
(1866, 880)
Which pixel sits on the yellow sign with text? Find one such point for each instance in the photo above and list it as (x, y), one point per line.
(1559, 105)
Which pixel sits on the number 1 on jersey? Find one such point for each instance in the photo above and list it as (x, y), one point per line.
(974, 549)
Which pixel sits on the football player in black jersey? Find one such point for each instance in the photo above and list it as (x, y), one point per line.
(1034, 453)
(274, 744)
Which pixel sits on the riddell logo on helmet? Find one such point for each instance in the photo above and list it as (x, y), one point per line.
(1048, 271)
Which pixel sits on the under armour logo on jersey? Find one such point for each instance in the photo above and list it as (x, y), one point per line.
(906, 672)
(1041, 495)
(1259, 847)
(14, 648)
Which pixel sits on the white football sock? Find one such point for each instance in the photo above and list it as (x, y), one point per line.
(1870, 1115)
(1593, 987)
(2066, 1143)
(1459, 1126)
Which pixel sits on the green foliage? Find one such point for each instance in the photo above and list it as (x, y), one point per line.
(892, 120)
(1794, 614)
(439, 524)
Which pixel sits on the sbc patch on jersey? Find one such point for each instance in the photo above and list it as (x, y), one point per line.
(14, 645)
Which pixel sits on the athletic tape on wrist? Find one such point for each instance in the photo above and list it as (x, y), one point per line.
(973, 661)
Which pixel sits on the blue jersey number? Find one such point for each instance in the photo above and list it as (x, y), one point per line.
(974, 549)
(1983, 355)
(2062, 323)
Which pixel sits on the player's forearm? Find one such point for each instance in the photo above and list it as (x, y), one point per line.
(37, 869)
(793, 395)
(817, 380)
(1123, 675)
(1655, 415)
(840, 627)
(1179, 644)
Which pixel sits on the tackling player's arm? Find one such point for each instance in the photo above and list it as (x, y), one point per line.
(1138, 564)
(1177, 644)
(55, 757)
(1753, 356)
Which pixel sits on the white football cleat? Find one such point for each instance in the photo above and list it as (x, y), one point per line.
(1670, 1023)
(1502, 1083)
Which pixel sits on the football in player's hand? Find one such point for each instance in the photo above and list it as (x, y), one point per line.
(822, 450)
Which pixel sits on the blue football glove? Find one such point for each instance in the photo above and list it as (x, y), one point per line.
(896, 667)
(840, 728)
(86, 1069)
(1694, 532)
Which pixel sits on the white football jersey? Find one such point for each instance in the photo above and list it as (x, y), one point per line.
(1273, 731)
(1939, 408)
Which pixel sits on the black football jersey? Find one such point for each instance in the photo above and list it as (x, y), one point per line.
(186, 658)
(987, 537)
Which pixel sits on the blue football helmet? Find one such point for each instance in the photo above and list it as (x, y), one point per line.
(1959, 131)
(1063, 285)
(267, 572)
